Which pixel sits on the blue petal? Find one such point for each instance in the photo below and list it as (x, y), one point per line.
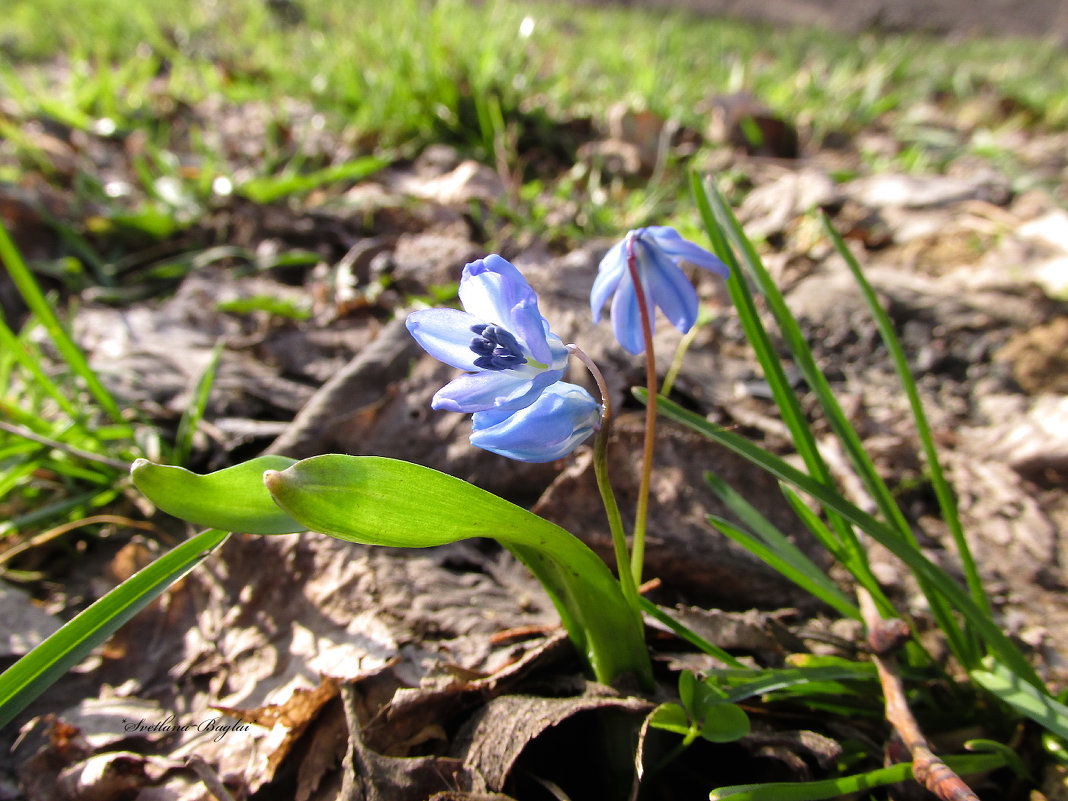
(671, 290)
(670, 242)
(611, 270)
(493, 289)
(493, 389)
(626, 318)
(558, 354)
(532, 329)
(561, 419)
(445, 334)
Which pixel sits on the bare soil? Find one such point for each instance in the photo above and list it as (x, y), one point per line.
(1013, 18)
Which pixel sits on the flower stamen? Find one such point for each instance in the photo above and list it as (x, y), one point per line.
(496, 348)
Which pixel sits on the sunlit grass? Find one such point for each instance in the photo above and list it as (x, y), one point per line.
(414, 69)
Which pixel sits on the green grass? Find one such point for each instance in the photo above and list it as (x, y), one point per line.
(400, 75)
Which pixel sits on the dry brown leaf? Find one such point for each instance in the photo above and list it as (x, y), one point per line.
(295, 715)
(494, 739)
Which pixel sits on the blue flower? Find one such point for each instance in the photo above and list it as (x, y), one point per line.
(501, 340)
(659, 250)
(560, 420)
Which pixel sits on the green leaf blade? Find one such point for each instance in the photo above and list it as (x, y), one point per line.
(40, 668)
(924, 569)
(233, 499)
(943, 491)
(846, 785)
(42, 309)
(670, 717)
(1025, 699)
(390, 502)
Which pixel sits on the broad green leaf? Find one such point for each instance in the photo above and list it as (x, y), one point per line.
(706, 713)
(1024, 698)
(688, 684)
(716, 719)
(35, 672)
(233, 499)
(381, 501)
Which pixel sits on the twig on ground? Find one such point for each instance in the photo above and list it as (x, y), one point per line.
(885, 637)
(59, 531)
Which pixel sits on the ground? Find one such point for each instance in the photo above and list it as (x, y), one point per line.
(1046, 18)
(326, 662)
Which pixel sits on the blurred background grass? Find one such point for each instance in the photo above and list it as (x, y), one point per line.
(411, 72)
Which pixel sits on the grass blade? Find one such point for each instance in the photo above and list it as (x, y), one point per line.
(769, 681)
(688, 634)
(773, 547)
(16, 349)
(34, 673)
(37, 304)
(812, 522)
(1025, 699)
(783, 394)
(961, 645)
(845, 785)
(271, 188)
(194, 413)
(943, 492)
(824, 590)
(806, 363)
(827, 495)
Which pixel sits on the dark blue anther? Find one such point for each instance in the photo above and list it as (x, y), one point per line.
(496, 348)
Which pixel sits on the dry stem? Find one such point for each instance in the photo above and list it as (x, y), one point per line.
(929, 770)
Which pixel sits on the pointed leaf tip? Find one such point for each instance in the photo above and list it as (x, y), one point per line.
(234, 499)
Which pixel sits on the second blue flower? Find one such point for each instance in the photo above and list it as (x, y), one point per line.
(658, 251)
